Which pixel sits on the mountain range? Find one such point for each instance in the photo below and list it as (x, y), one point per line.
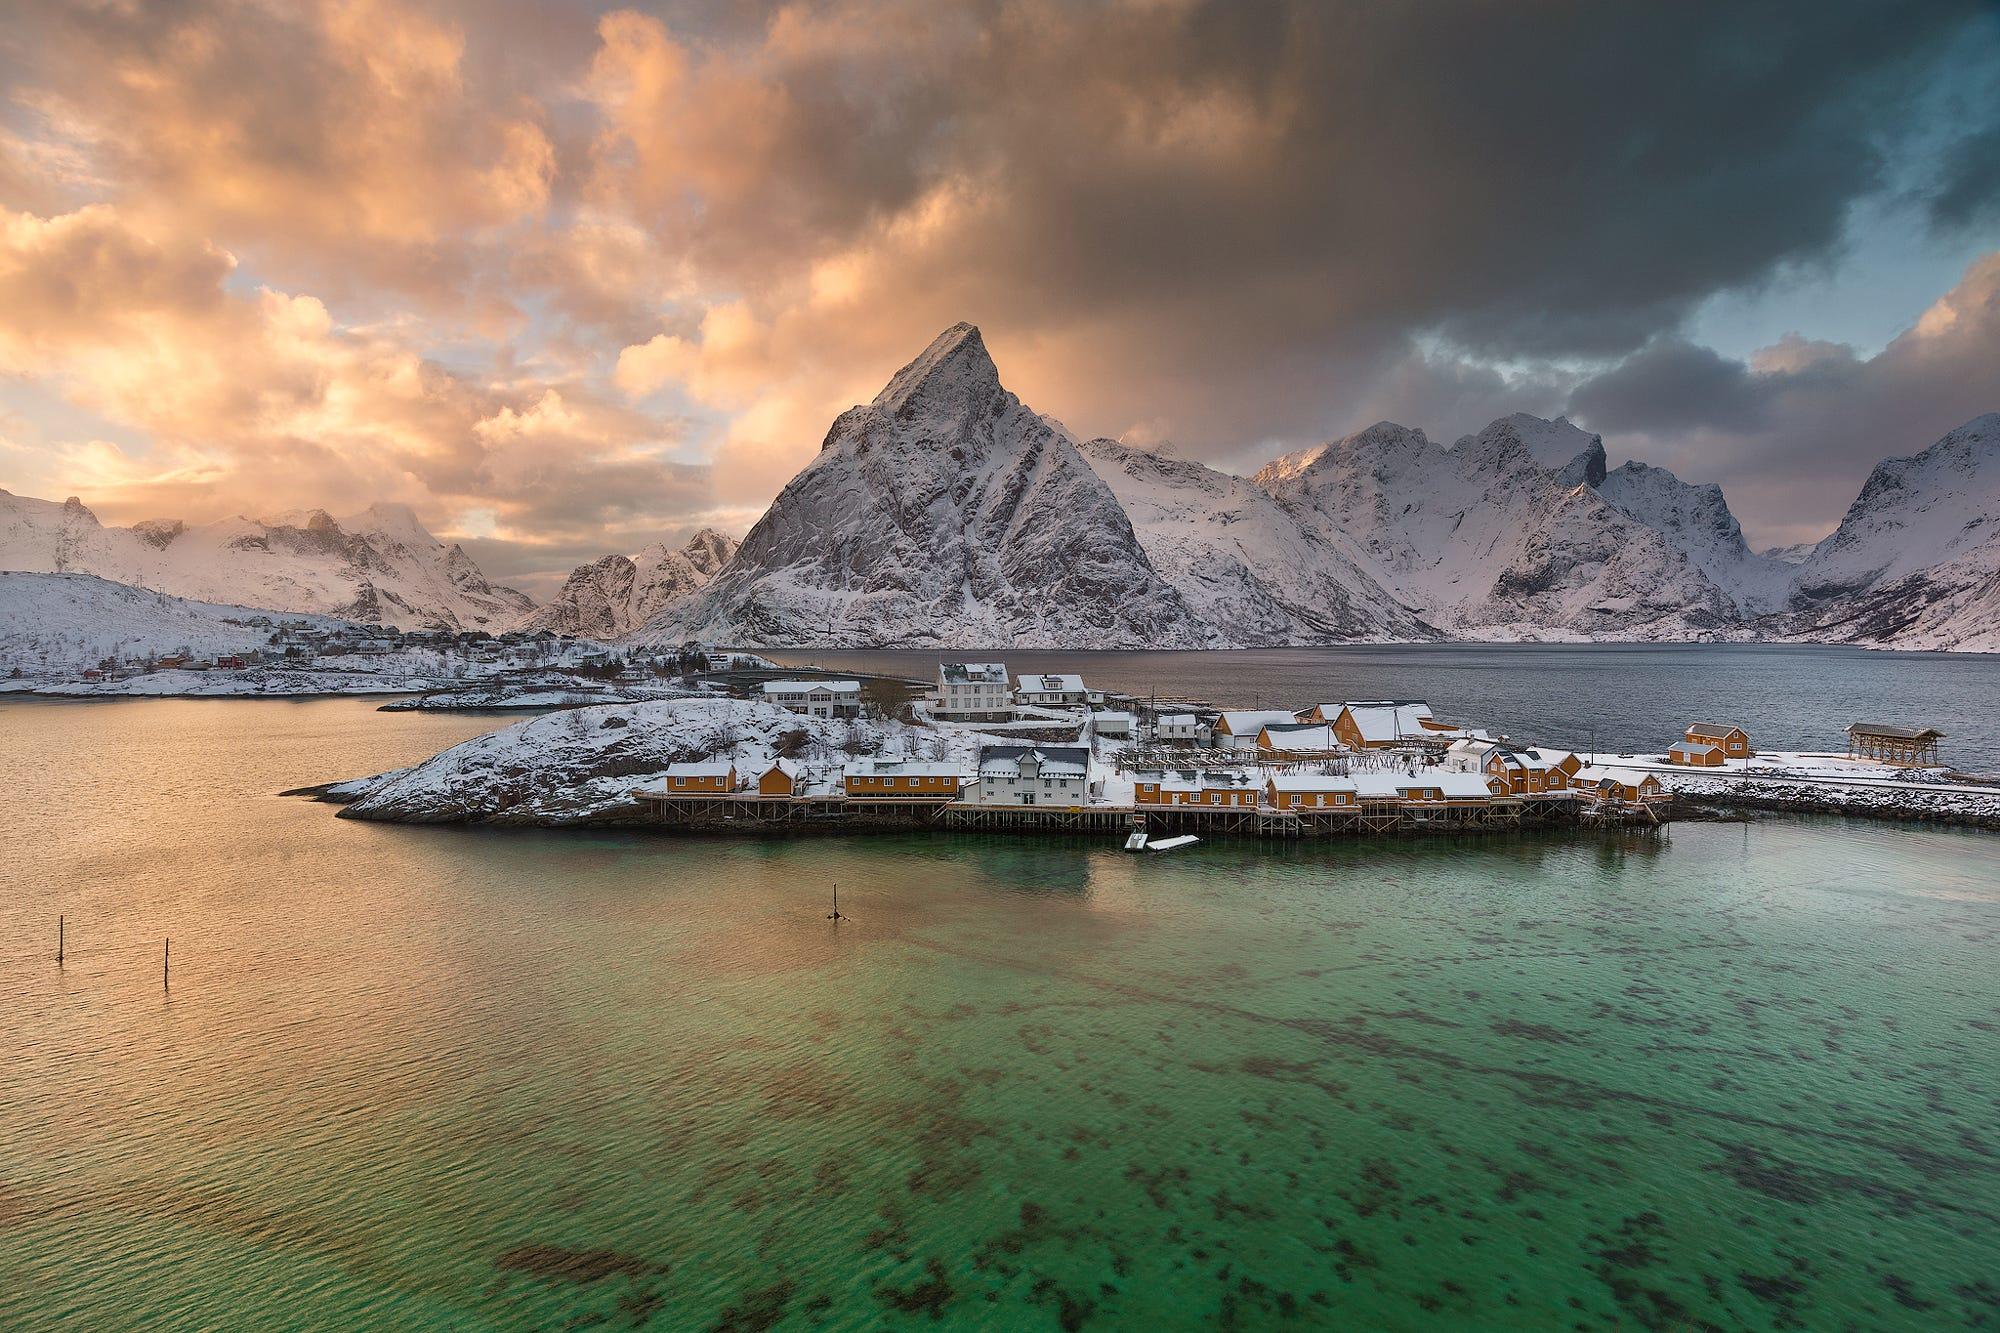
(378, 567)
(946, 513)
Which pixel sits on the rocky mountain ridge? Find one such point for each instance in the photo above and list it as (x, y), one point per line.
(612, 597)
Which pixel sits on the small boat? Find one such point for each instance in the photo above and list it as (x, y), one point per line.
(1168, 844)
(1136, 842)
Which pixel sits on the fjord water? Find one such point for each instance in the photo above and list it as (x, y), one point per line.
(1740, 1076)
(1635, 697)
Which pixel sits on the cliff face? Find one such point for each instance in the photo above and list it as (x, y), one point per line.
(612, 597)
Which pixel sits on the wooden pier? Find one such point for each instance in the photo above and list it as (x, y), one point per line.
(745, 810)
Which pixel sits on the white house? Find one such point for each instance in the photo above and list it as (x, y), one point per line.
(1112, 722)
(1021, 775)
(1051, 691)
(973, 692)
(1180, 729)
(816, 698)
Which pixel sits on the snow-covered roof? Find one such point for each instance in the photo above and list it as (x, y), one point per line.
(807, 686)
(878, 767)
(1299, 736)
(1177, 720)
(1111, 715)
(1056, 760)
(1388, 719)
(701, 768)
(1376, 786)
(1698, 748)
(980, 673)
(1250, 721)
(1455, 786)
(788, 767)
(1596, 775)
(1302, 782)
(1712, 730)
(1197, 779)
(1033, 683)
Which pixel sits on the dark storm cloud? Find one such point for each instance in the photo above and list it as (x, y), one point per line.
(1792, 433)
(1241, 225)
(1672, 385)
(1968, 191)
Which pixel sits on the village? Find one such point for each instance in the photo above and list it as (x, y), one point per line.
(1048, 752)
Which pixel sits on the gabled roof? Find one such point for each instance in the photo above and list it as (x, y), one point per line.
(1698, 747)
(1250, 721)
(1176, 720)
(1713, 730)
(1056, 760)
(1388, 719)
(1299, 736)
(1055, 683)
(982, 673)
(1298, 782)
(701, 768)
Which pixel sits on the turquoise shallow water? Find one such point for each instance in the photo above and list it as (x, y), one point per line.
(1740, 1076)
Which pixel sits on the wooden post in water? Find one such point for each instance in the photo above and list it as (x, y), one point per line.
(166, 961)
(61, 921)
(834, 916)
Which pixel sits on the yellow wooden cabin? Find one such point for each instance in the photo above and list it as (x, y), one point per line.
(1696, 754)
(780, 779)
(1735, 741)
(707, 777)
(1212, 789)
(1310, 791)
(896, 779)
(1380, 724)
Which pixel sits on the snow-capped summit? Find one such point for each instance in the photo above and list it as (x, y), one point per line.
(944, 512)
(380, 566)
(1575, 456)
(1916, 560)
(1241, 561)
(1502, 535)
(609, 598)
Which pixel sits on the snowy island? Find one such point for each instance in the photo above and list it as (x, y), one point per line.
(799, 756)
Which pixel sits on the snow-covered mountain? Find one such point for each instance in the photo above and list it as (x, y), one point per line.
(942, 513)
(1916, 561)
(1241, 561)
(73, 621)
(1519, 532)
(612, 597)
(376, 567)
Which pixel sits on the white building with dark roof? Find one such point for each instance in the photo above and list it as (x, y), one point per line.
(1024, 775)
(1052, 690)
(973, 692)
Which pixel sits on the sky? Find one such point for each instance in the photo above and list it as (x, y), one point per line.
(569, 278)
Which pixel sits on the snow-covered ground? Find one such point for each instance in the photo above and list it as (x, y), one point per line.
(1825, 782)
(56, 625)
(582, 765)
